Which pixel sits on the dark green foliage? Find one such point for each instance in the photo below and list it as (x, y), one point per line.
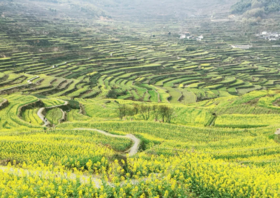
(115, 92)
(146, 112)
(241, 6)
(268, 6)
(94, 79)
(166, 113)
(122, 111)
(73, 104)
(191, 48)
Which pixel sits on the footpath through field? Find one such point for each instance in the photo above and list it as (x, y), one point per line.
(132, 151)
(83, 178)
(135, 140)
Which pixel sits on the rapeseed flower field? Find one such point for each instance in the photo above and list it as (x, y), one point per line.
(173, 160)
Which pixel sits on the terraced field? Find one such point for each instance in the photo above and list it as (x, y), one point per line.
(158, 69)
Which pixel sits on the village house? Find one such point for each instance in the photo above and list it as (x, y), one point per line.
(270, 36)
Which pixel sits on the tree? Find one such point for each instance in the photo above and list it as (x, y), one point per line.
(145, 111)
(166, 113)
(122, 111)
(156, 112)
(169, 114)
(135, 108)
(190, 48)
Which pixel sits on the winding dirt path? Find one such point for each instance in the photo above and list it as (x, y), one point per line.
(83, 178)
(132, 151)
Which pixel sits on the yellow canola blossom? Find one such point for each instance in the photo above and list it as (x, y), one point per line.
(161, 176)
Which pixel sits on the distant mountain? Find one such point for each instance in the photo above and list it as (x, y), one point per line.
(163, 9)
(133, 10)
(52, 8)
(256, 8)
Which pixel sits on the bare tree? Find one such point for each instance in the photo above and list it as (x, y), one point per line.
(156, 112)
(145, 111)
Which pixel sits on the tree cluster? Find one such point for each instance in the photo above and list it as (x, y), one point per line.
(256, 7)
(191, 48)
(146, 112)
(115, 92)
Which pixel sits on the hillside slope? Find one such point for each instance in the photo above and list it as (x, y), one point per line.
(256, 8)
(133, 10)
(52, 9)
(163, 9)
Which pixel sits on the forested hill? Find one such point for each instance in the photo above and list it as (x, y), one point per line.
(256, 8)
(133, 10)
(163, 9)
(52, 8)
